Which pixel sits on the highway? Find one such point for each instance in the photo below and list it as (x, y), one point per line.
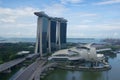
(28, 73)
(10, 64)
(17, 73)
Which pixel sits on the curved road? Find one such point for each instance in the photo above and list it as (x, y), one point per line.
(41, 69)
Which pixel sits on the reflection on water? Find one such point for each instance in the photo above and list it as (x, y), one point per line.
(112, 74)
(92, 76)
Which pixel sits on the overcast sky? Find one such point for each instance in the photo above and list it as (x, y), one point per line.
(86, 18)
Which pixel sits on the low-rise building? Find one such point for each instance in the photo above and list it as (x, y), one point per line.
(85, 53)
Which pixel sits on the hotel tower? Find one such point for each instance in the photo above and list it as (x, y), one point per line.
(51, 33)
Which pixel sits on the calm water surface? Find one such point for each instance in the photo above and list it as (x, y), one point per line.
(113, 74)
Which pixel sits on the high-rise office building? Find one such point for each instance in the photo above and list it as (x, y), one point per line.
(51, 33)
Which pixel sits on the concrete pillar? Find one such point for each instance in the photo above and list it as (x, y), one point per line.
(59, 41)
(58, 35)
(49, 36)
(39, 37)
(40, 23)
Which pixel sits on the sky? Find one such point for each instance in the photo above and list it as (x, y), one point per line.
(86, 18)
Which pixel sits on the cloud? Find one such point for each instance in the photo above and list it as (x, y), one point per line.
(9, 15)
(15, 22)
(26, 11)
(97, 27)
(81, 17)
(87, 21)
(107, 2)
(7, 20)
(18, 30)
(71, 1)
(92, 30)
(55, 9)
(83, 14)
(88, 14)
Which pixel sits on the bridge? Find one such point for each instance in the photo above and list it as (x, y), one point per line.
(8, 65)
(105, 49)
(33, 71)
(29, 72)
(42, 69)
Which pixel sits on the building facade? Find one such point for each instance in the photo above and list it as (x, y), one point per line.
(51, 33)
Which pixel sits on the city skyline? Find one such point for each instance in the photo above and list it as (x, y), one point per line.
(86, 18)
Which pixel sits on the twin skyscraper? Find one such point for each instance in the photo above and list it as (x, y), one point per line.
(51, 33)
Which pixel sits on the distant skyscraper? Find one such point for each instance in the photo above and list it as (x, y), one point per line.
(51, 33)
